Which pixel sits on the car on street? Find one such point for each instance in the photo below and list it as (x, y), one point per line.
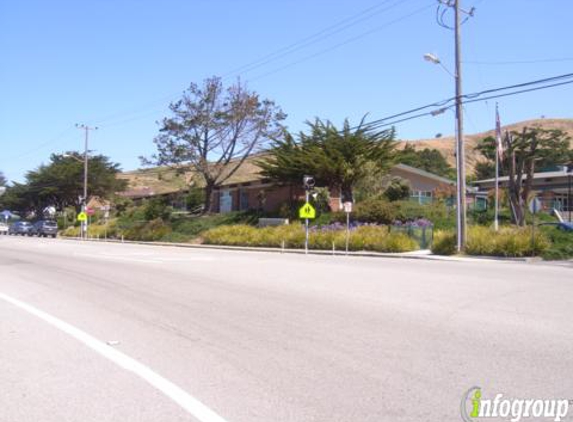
(44, 228)
(3, 228)
(21, 227)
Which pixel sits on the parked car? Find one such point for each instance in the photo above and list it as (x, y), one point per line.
(21, 227)
(3, 228)
(46, 228)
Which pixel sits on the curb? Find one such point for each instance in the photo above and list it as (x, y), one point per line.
(406, 255)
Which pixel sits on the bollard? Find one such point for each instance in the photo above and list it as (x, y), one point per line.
(333, 249)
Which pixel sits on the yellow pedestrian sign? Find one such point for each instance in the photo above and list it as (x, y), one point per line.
(82, 216)
(307, 211)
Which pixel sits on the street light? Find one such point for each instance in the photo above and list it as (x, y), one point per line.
(432, 58)
(460, 155)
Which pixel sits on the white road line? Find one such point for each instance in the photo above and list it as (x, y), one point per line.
(118, 258)
(175, 393)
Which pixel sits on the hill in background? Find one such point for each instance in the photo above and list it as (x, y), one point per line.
(446, 145)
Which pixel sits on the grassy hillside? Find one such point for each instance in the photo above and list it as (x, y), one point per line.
(446, 144)
(164, 179)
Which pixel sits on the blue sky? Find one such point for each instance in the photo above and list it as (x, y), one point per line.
(118, 63)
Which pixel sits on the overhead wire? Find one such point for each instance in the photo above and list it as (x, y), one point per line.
(347, 41)
(276, 55)
(550, 82)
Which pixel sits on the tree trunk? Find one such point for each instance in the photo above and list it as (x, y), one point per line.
(346, 194)
(208, 204)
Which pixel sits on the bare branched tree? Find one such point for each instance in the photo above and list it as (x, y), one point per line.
(214, 130)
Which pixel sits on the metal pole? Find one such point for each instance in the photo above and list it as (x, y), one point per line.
(569, 205)
(347, 230)
(496, 218)
(306, 226)
(460, 153)
(84, 226)
(85, 197)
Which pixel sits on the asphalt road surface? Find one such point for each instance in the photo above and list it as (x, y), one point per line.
(115, 332)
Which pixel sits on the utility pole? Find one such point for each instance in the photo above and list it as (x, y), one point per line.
(460, 150)
(84, 226)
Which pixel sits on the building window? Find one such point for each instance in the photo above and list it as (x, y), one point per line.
(422, 197)
(225, 201)
(243, 200)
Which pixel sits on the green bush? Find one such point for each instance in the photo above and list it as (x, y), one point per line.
(444, 242)
(148, 232)
(507, 242)
(157, 208)
(561, 244)
(483, 241)
(376, 211)
(293, 236)
(195, 198)
(398, 189)
(380, 211)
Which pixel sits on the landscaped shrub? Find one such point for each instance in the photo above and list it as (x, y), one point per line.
(561, 243)
(373, 238)
(99, 230)
(508, 242)
(157, 208)
(483, 241)
(375, 211)
(444, 242)
(148, 232)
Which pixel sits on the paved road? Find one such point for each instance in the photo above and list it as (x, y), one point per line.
(270, 337)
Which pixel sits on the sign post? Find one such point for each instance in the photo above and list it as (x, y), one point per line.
(307, 211)
(82, 218)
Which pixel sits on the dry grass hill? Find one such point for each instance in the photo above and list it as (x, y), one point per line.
(164, 180)
(446, 144)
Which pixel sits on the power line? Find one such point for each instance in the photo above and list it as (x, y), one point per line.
(471, 97)
(305, 42)
(313, 39)
(347, 41)
(510, 62)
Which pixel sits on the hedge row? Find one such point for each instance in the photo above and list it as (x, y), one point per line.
(371, 238)
(482, 241)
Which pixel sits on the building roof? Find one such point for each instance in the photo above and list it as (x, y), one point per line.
(423, 173)
(540, 175)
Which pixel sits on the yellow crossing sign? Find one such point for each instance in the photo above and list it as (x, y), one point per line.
(307, 211)
(82, 216)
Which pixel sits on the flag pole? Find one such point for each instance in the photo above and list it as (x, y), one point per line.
(496, 218)
(497, 152)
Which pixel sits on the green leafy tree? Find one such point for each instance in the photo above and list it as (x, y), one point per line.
(60, 183)
(398, 189)
(525, 152)
(337, 159)
(213, 130)
(430, 160)
(3, 180)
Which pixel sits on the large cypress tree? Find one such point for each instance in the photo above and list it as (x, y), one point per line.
(336, 158)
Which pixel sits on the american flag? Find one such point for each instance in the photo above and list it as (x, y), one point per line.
(498, 140)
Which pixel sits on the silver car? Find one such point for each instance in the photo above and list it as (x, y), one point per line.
(3, 228)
